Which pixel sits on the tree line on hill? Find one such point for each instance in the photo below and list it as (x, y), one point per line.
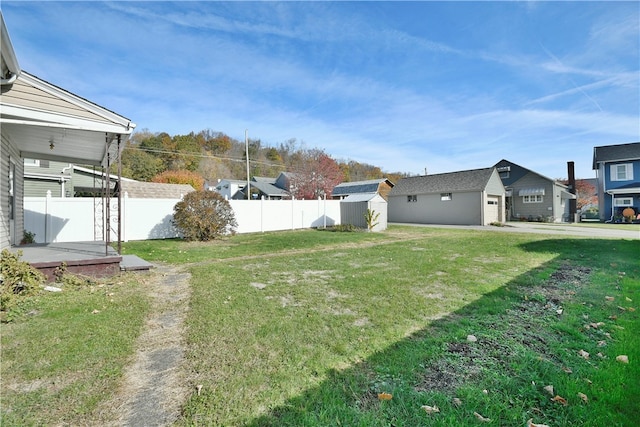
(209, 155)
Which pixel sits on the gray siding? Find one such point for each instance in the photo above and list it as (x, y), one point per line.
(464, 208)
(534, 210)
(9, 153)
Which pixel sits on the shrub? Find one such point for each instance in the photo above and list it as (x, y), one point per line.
(17, 278)
(204, 215)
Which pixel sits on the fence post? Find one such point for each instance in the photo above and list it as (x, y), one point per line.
(262, 214)
(123, 220)
(47, 218)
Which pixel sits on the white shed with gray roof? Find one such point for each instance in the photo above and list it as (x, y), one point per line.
(473, 197)
(353, 209)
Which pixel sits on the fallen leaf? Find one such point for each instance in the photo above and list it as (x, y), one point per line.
(559, 311)
(95, 312)
(613, 317)
(631, 309)
(457, 402)
(472, 338)
(481, 418)
(583, 354)
(584, 397)
(588, 381)
(602, 343)
(622, 308)
(430, 409)
(530, 423)
(622, 358)
(628, 299)
(199, 388)
(594, 325)
(609, 298)
(385, 396)
(485, 391)
(567, 370)
(549, 389)
(561, 400)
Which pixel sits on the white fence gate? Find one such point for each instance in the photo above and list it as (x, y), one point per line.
(73, 219)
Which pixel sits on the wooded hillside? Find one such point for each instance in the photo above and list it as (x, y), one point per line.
(209, 155)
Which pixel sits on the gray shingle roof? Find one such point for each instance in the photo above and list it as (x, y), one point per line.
(155, 190)
(615, 153)
(268, 189)
(471, 180)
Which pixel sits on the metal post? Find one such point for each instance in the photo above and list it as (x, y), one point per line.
(107, 198)
(119, 195)
(246, 148)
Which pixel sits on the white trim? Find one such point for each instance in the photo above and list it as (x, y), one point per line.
(76, 100)
(32, 117)
(628, 171)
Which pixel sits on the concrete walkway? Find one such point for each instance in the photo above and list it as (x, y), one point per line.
(569, 230)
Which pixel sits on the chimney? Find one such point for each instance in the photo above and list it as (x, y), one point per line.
(572, 189)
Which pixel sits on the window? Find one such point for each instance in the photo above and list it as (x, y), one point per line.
(445, 196)
(537, 198)
(622, 172)
(623, 201)
(412, 198)
(32, 162)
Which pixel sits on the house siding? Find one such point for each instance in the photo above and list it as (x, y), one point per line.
(23, 94)
(464, 208)
(607, 210)
(9, 154)
(519, 209)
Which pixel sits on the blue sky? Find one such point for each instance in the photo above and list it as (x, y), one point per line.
(444, 86)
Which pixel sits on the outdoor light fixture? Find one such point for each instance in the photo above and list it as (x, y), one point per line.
(51, 144)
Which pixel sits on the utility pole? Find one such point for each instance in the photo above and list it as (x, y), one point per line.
(246, 148)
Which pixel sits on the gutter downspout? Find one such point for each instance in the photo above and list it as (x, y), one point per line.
(63, 180)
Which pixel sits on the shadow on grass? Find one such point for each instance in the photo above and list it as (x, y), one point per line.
(523, 343)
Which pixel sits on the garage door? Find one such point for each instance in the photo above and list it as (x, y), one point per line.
(492, 212)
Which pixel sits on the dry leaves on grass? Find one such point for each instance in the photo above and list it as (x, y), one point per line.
(583, 354)
(385, 396)
(622, 358)
(584, 397)
(481, 418)
(549, 389)
(530, 423)
(430, 409)
(561, 400)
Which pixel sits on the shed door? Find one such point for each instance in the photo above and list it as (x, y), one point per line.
(493, 209)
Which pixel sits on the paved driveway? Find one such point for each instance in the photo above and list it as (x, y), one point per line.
(633, 231)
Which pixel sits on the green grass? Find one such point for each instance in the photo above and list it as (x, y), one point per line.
(305, 328)
(311, 338)
(67, 351)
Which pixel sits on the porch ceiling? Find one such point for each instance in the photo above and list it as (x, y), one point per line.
(69, 145)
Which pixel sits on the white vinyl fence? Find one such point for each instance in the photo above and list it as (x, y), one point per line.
(77, 219)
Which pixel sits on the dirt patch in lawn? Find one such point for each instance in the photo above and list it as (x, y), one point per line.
(154, 384)
(505, 337)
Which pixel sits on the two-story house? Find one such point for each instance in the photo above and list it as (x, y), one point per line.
(533, 197)
(618, 173)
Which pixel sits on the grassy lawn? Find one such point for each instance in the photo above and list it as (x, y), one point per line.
(308, 328)
(65, 352)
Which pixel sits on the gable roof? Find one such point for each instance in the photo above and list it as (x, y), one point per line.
(524, 171)
(356, 187)
(268, 189)
(471, 180)
(155, 190)
(615, 153)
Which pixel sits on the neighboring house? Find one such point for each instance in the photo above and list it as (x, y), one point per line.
(39, 120)
(533, 197)
(64, 179)
(380, 186)
(473, 197)
(618, 173)
(227, 187)
(154, 190)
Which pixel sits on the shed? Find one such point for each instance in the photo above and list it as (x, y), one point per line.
(354, 208)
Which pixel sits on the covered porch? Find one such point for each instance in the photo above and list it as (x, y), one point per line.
(95, 259)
